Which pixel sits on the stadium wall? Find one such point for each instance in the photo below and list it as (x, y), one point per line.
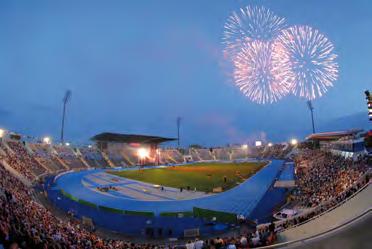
(132, 222)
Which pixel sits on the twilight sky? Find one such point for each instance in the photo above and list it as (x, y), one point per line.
(134, 66)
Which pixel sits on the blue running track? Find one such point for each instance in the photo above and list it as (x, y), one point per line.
(242, 199)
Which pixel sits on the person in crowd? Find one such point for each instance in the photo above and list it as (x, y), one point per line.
(198, 243)
(190, 245)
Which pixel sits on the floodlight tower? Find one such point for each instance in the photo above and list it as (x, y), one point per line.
(178, 130)
(65, 100)
(311, 108)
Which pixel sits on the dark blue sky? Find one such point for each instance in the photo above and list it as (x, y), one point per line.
(134, 66)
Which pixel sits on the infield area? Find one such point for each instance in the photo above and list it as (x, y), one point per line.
(202, 176)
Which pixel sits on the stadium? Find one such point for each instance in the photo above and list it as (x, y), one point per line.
(185, 124)
(129, 185)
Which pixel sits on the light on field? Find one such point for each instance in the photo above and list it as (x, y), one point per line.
(2, 132)
(143, 153)
(258, 143)
(245, 146)
(47, 140)
(270, 144)
(294, 141)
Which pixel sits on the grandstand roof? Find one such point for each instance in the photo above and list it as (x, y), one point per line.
(329, 136)
(130, 138)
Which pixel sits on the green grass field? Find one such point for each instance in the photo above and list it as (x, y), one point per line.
(203, 176)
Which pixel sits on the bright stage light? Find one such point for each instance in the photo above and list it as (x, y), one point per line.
(245, 146)
(67, 144)
(47, 140)
(258, 143)
(143, 153)
(294, 141)
(270, 144)
(2, 132)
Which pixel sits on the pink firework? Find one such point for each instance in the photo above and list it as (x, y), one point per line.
(257, 77)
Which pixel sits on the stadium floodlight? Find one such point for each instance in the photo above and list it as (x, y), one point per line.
(258, 143)
(47, 140)
(67, 144)
(89, 146)
(294, 141)
(65, 100)
(311, 109)
(270, 144)
(143, 153)
(245, 146)
(2, 133)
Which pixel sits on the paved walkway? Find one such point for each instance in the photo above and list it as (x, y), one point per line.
(347, 211)
(288, 172)
(355, 235)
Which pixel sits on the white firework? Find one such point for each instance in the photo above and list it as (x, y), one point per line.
(249, 24)
(311, 59)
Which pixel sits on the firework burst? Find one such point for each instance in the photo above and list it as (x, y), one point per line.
(257, 76)
(311, 59)
(249, 24)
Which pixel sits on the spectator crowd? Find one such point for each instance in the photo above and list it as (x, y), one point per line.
(325, 176)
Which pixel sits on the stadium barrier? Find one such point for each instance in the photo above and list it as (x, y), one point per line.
(87, 203)
(69, 196)
(127, 212)
(111, 210)
(197, 212)
(107, 209)
(139, 213)
(177, 214)
(214, 215)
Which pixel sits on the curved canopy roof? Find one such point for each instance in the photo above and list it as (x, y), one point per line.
(130, 138)
(334, 135)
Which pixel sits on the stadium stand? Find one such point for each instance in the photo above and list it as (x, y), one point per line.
(93, 157)
(343, 212)
(169, 156)
(222, 154)
(116, 158)
(205, 154)
(69, 157)
(176, 155)
(20, 159)
(129, 155)
(43, 154)
(238, 153)
(195, 154)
